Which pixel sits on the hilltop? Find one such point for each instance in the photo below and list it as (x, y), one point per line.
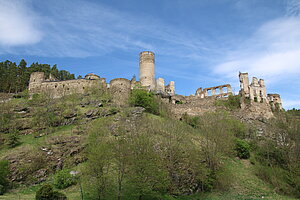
(141, 150)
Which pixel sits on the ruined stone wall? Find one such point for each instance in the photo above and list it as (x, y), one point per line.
(57, 89)
(223, 91)
(275, 101)
(147, 69)
(244, 83)
(160, 85)
(257, 90)
(170, 89)
(120, 89)
(191, 105)
(37, 77)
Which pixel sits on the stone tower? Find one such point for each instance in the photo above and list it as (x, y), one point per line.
(244, 83)
(37, 77)
(147, 69)
(160, 85)
(35, 82)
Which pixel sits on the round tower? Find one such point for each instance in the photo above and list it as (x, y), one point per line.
(147, 69)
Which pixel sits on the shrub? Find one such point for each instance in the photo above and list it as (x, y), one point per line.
(242, 149)
(233, 102)
(24, 94)
(190, 120)
(63, 179)
(27, 170)
(144, 99)
(4, 171)
(13, 139)
(277, 177)
(46, 192)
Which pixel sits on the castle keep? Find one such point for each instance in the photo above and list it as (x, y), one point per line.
(120, 88)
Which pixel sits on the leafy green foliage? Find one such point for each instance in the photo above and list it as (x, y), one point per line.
(63, 179)
(278, 162)
(128, 163)
(46, 192)
(294, 112)
(233, 102)
(4, 172)
(242, 149)
(142, 98)
(15, 78)
(192, 121)
(13, 139)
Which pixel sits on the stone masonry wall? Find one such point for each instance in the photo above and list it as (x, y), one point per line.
(57, 89)
(192, 105)
(120, 89)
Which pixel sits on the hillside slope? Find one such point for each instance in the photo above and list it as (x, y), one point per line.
(125, 152)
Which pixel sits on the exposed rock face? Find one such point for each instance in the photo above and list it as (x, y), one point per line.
(32, 166)
(192, 105)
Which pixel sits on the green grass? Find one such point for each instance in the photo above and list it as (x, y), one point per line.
(73, 193)
(245, 185)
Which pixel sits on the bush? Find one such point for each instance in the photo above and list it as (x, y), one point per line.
(277, 177)
(46, 192)
(13, 139)
(233, 102)
(24, 94)
(63, 179)
(190, 120)
(144, 99)
(242, 149)
(27, 170)
(4, 171)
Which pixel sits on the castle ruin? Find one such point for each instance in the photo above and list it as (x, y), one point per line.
(120, 88)
(57, 89)
(257, 92)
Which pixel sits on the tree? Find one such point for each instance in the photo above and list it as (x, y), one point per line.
(54, 71)
(46, 192)
(15, 78)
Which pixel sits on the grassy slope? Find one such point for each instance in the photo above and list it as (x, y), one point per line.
(245, 185)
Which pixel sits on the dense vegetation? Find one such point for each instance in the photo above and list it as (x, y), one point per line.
(127, 153)
(15, 78)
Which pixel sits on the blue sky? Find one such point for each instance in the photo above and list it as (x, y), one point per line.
(198, 43)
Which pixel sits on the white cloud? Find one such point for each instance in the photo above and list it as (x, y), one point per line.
(18, 24)
(82, 28)
(289, 104)
(272, 52)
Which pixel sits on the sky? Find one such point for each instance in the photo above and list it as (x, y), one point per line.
(197, 43)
